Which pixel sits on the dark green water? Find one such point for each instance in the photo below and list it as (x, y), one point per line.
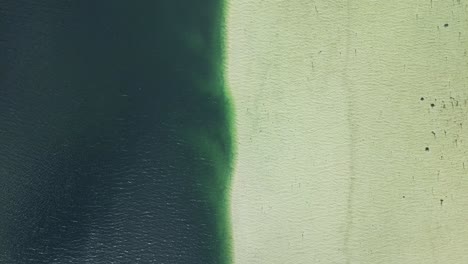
(115, 142)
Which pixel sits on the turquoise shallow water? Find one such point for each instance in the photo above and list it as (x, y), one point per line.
(114, 132)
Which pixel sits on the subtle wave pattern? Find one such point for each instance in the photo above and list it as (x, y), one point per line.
(114, 132)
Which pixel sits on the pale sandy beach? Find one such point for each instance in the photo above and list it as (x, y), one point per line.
(351, 122)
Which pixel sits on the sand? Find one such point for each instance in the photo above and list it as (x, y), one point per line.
(350, 131)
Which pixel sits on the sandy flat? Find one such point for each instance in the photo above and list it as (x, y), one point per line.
(351, 131)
